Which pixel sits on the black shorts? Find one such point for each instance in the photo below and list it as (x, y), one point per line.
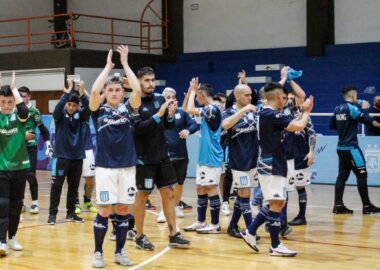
(162, 175)
(12, 184)
(180, 168)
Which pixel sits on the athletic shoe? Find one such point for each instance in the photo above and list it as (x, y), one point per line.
(3, 249)
(249, 239)
(234, 232)
(14, 244)
(286, 230)
(282, 251)
(255, 209)
(122, 258)
(52, 219)
(113, 235)
(341, 209)
(78, 209)
(98, 260)
(23, 209)
(185, 206)
(225, 209)
(34, 209)
(371, 210)
(195, 226)
(177, 240)
(89, 206)
(74, 218)
(131, 235)
(210, 229)
(149, 206)
(178, 212)
(161, 217)
(298, 221)
(143, 243)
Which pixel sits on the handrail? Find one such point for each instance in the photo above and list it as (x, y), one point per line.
(74, 34)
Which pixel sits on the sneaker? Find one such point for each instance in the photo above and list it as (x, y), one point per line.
(14, 244)
(52, 219)
(282, 251)
(255, 209)
(298, 221)
(341, 209)
(161, 217)
(89, 206)
(184, 206)
(74, 218)
(371, 209)
(286, 230)
(98, 260)
(122, 258)
(34, 209)
(177, 240)
(178, 212)
(225, 209)
(195, 226)
(131, 235)
(113, 235)
(234, 232)
(149, 206)
(249, 239)
(3, 249)
(78, 209)
(143, 243)
(210, 229)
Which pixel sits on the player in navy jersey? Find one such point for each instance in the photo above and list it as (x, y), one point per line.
(272, 166)
(69, 119)
(116, 159)
(240, 122)
(375, 108)
(184, 125)
(210, 156)
(345, 121)
(154, 166)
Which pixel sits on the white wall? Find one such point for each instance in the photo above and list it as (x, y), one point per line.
(357, 21)
(126, 9)
(244, 24)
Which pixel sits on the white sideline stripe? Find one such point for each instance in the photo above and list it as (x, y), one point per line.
(155, 257)
(152, 212)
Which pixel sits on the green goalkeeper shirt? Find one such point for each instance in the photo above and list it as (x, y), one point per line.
(34, 120)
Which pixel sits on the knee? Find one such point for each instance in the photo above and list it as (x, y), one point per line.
(201, 190)
(4, 206)
(276, 206)
(142, 196)
(104, 211)
(167, 193)
(15, 207)
(121, 209)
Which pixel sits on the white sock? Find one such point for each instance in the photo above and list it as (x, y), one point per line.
(35, 203)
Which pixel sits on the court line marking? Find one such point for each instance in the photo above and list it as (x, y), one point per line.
(151, 259)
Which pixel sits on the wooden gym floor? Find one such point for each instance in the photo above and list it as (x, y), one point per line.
(327, 242)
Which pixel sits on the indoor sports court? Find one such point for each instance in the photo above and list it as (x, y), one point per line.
(182, 134)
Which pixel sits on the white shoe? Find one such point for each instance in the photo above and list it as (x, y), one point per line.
(195, 226)
(282, 251)
(255, 209)
(210, 229)
(113, 236)
(179, 212)
(3, 249)
(98, 260)
(34, 209)
(14, 244)
(161, 217)
(249, 239)
(225, 209)
(131, 235)
(122, 258)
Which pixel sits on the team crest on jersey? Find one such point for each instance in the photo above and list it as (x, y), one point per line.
(148, 183)
(76, 116)
(104, 196)
(177, 116)
(145, 109)
(156, 104)
(13, 117)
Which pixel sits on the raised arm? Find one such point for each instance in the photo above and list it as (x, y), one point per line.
(58, 110)
(298, 91)
(301, 122)
(96, 98)
(135, 98)
(22, 110)
(283, 75)
(230, 121)
(194, 86)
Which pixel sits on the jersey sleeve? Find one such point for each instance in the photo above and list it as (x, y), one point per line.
(227, 113)
(37, 117)
(359, 115)
(281, 120)
(209, 112)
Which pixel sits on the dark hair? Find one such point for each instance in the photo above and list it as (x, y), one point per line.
(6, 91)
(219, 96)
(114, 79)
(272, 86)
(24, 89)
(207, 89)
(348, 88)
(144, 71)
(73, 97)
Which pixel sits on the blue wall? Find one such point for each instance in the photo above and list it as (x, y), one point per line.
(323, 77)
